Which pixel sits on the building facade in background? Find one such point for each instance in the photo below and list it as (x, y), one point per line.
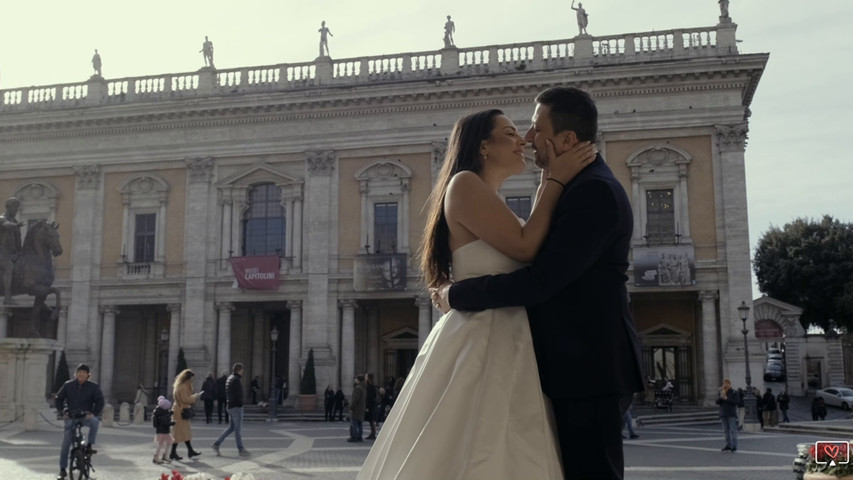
(309, 180)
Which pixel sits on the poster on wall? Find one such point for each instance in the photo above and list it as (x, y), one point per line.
(256, 273)
(379, 272)
(664, 266)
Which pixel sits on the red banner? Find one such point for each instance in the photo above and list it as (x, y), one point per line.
(256, 273)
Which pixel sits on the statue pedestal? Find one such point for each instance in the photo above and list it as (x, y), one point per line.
(23, 378)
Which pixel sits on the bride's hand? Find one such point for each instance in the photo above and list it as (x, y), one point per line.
(438, 295)
(566, 166)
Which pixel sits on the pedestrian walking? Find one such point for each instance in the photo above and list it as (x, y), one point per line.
(162, 420)
(208, 395)
(256, 387)
(771, 416)
(357, 406)
(339, 405)
(182, 393)
(818, 408)
(221, 397)
(728, 401)
(784, 402)
(741, 409)
(329, 403)
(234, 399)
(370, 405)
(759, 406)
(629, 424)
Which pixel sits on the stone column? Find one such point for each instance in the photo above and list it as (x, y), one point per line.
(260, 357)
(196, 220)
(403, 234)
(297, 234)
(424, 305)
(174, 310)
(226, 204)
(710, 348)
(4, 321)
(61, 327)
(347, 344)
(223, 344)
(160, 246)
(316, 334)
(733, 230)
(108, 347)
(83, 334)
(372, 340)
(295, 347)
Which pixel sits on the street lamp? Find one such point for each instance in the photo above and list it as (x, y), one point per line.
(164, 359)
(750, 403)
(273, 394)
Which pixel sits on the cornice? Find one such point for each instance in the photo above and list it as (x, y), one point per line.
(338, 102)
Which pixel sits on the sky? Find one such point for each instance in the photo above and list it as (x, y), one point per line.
(797, 163)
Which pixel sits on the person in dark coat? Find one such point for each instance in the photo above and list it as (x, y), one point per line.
(221, 398)
(329, 403)
(234, 398)
(256, 387)
(771, 416)
(728, 401)
(208, 395)
(162, 420)
(79, 396)
(784, 402)
(357, 406)
(339, 405)
(818, 408)
(370, 405)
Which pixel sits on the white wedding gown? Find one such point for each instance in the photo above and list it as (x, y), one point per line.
(472, 407)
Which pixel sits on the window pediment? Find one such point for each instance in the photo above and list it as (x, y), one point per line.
(259, 173)
(144, 189)
(659, 156)
(384, 175)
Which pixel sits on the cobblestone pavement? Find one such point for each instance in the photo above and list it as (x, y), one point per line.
(290, 451)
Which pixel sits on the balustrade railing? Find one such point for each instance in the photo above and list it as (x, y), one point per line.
(540, 55)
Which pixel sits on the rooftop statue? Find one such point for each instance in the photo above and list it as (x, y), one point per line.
(207, 51)
(449, 30)
(324, 40)
(724, 8)
(583, 18)
(96, 63)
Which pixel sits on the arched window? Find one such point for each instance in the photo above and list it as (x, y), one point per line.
(264, 223)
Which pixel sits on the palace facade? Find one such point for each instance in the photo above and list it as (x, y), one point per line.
(321, 169)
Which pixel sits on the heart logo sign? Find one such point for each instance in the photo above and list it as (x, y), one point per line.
(832, 453)
(831, 450)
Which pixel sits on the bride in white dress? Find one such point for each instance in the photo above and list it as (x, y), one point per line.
(472, 407)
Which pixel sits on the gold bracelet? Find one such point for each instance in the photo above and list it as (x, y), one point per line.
(557, 182)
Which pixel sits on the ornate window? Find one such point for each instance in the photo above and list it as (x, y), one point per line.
(384, 187)
(143, 238)
(261, 212)
(264, 223)
(38, 202)
(659, 195)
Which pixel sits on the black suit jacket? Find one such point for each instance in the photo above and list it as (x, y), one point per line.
(575, 293)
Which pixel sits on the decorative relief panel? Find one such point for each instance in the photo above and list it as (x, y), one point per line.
(321, 163)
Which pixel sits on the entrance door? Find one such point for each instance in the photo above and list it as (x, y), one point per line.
(405, 361)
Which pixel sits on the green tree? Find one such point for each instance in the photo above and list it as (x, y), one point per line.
(62, 374)
(182, 361)
(308, 384)
(809, 263)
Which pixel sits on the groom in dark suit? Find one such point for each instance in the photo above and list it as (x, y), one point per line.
(586, 345)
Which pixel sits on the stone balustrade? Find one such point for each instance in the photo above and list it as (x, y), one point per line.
(581, 51)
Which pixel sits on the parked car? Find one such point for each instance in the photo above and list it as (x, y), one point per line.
(837, 396)
(774, 356)
(775, 372)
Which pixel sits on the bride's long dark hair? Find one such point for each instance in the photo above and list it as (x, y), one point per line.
(463, 153)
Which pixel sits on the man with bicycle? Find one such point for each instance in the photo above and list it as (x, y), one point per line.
(79, 395)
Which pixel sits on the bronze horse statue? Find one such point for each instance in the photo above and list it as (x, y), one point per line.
(33, 273)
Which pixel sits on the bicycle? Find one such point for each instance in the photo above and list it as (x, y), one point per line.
(80, 466)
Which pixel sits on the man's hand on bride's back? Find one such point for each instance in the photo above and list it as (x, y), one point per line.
(438, 295)
(569, 163)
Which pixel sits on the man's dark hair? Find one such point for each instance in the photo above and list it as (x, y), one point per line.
(82, 367)
(237, 367)
(360, 378)
(571, 109)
